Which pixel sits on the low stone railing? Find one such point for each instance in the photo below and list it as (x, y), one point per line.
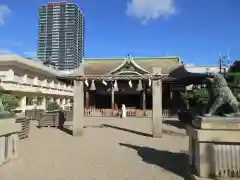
(49, 119)
(68, 115)
(168, 113)
(25, 126)
(53, 119)
(92, 112)
(34, 114)
(8, 140)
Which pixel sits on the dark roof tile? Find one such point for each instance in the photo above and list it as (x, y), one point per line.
(103, 66)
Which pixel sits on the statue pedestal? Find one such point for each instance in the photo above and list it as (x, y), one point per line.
(214, 146)
(8, 140)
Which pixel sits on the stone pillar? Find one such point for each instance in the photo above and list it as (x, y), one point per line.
(10, 75)
(78, 105)
(58, 101)
(78, 108)
(64, 101)
(157, 105)
(87, 99)
(23, 105)
(44, 103)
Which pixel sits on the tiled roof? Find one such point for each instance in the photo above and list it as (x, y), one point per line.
(103, 66)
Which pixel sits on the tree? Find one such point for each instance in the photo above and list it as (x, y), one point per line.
(52, 106)
(10, 102)
(196, 97)
(233, 79)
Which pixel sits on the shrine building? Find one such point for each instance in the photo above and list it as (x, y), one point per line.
(143, 85)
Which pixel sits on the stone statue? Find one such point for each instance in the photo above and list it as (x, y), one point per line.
(220, 94)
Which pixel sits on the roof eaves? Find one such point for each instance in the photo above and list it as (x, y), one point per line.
(135, 58)
(12, 58)
(39, 66)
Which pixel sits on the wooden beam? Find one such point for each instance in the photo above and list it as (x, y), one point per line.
(118, 77)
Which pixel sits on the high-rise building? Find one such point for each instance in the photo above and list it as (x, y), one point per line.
(61, 35)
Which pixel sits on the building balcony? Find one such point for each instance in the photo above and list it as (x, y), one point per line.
(35, 85)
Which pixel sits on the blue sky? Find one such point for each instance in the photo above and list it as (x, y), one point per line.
(192, 29)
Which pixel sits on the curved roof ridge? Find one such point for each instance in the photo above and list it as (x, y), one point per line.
(131, 60)
(142, 57)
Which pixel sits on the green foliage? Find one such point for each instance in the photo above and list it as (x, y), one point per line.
(196, 97)
(52, 106)
(233, 79)
(10, 102)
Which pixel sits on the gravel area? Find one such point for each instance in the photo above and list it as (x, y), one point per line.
(108, 150)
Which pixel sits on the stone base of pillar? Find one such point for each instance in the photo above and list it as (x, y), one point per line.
(157, 133)
(214, 147)
(8, 147)
(77, 132)
(157, 125)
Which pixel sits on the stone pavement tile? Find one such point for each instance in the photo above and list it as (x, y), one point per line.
(102, 153)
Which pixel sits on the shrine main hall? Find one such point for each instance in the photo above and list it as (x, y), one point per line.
(144, 85)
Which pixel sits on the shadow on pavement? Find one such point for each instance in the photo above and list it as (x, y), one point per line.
(173, 133)
(127, 130)
(176, 163)
(66, 130)
(175, 123)
(164, 131)
(93, 126)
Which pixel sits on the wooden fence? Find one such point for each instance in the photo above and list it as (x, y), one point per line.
(92, 112)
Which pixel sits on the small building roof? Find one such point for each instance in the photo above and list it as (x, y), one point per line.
(12, 59)
(102, 66)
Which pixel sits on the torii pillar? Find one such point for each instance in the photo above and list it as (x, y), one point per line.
(78, 105)
(157, 105)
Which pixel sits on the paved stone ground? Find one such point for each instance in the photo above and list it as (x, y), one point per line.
(118, 150)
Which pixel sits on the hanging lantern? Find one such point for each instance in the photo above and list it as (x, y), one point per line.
(86, 82)
(92, 87)
(104, 82)
(140, 87)
(149, 82)
(115, 86)
(130, 83)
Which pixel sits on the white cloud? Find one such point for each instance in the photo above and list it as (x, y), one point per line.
(4, 11)
(146, 10)
(5, 51)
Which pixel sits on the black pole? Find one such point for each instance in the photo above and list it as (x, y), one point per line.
(220, 64)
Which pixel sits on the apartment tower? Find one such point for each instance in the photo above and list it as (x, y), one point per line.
(61, 35)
